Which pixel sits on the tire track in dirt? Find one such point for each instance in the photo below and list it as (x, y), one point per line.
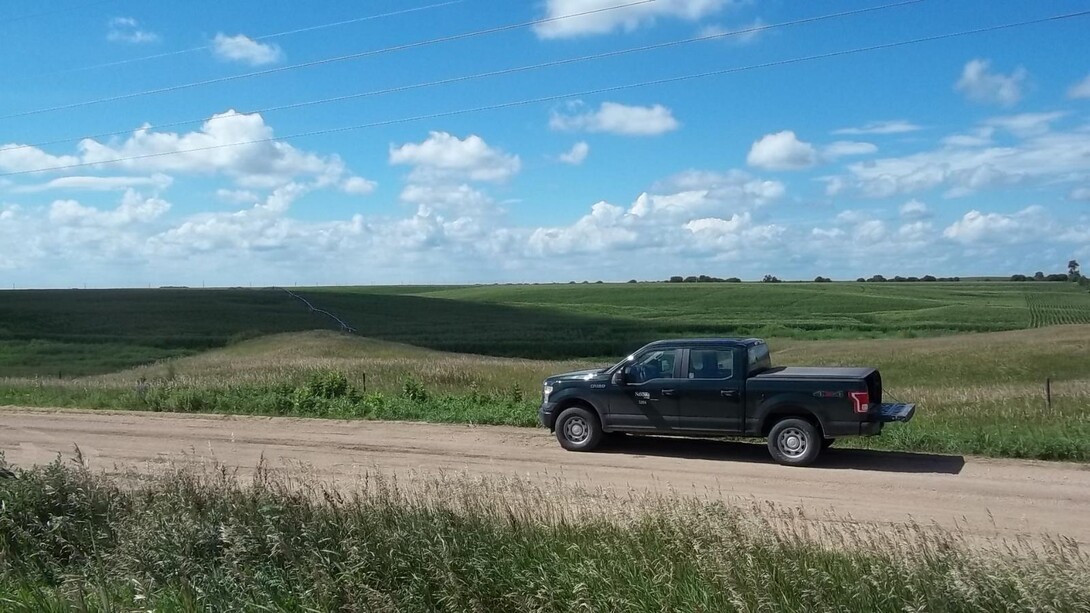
(988, 498)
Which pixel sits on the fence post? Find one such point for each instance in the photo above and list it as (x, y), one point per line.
(1048, 392)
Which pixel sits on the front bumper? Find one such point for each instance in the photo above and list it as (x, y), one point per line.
(547, 414)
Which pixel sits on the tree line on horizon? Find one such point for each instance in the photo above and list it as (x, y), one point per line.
(1072, 275)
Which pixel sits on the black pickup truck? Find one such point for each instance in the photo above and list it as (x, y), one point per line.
(718, 387)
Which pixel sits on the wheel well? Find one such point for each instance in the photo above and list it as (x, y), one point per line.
(781, 413)
(578, 402)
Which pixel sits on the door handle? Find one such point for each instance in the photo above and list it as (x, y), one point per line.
(669, 392)
(728, 393)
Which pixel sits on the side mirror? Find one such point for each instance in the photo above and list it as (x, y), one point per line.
(618, 377)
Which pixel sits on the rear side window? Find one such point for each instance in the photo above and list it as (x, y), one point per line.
(711, 364)
(759, 359)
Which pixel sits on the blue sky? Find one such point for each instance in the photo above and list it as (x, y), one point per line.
(961, 156)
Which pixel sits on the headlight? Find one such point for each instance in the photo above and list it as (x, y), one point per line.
(545, 391)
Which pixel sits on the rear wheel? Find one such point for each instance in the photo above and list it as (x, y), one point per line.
(578, 429)
(795, 442)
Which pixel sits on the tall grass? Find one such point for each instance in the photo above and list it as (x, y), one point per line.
(980, 394)
(70, 539)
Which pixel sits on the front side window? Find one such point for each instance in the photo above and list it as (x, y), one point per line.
(658, 364)
(711, 364)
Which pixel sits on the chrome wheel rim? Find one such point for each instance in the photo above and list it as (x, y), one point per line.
(793, 442)
(576, 429)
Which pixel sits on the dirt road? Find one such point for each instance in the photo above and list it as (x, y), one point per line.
(983, 497)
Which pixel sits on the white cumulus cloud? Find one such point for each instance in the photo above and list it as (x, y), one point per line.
(968, 163)
(998, 228)
(616, 118)
(980, 84)
(15, 157)
(230, 143)
(914, 209)
(782, 151)
(134, 208)
(358, 186)
(237, 196)
(627, 19)
(576, 155)
(241, 48)
(443, 155)
(128, 30)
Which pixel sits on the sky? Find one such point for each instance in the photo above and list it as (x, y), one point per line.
(478, 141)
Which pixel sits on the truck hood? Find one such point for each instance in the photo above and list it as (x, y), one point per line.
(577, 375)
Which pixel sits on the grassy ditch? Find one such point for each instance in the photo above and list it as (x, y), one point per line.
(73, 540)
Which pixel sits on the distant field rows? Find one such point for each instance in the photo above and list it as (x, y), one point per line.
(79, 332)
(1056, 309)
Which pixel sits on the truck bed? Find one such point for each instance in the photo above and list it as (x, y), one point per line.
(813, 372)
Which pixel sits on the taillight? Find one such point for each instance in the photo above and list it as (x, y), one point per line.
(861, 401)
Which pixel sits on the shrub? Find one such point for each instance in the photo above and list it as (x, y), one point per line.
(414, 390)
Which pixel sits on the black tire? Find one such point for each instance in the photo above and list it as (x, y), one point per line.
(578, 429)
(827, 443)
(794, 442)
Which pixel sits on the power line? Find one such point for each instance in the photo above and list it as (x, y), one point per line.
(493, 73)
(555, 97)
(265, 37)
(331, 60)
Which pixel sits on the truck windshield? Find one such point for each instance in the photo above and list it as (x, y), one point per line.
(759, 360)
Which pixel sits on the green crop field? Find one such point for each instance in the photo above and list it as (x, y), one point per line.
(974, 355)
(79, 332)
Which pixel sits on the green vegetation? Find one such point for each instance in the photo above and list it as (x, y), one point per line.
(81, 332)
(981, 394)
(72, 540)
(978, 393)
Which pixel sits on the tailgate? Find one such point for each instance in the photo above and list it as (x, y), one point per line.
(896, 411)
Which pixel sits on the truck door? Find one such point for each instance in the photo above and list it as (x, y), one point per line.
(647, 399)
(712, 398)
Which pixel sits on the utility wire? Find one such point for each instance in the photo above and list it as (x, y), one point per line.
(265, 37)
(555, 97)
(493, 73)
(321, 62)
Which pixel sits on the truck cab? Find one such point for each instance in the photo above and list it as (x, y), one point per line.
(718, 387)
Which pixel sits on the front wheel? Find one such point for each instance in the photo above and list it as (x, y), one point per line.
(794, 442)
(578, 429)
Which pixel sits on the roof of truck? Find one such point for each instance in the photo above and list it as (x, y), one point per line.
(692, 342)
